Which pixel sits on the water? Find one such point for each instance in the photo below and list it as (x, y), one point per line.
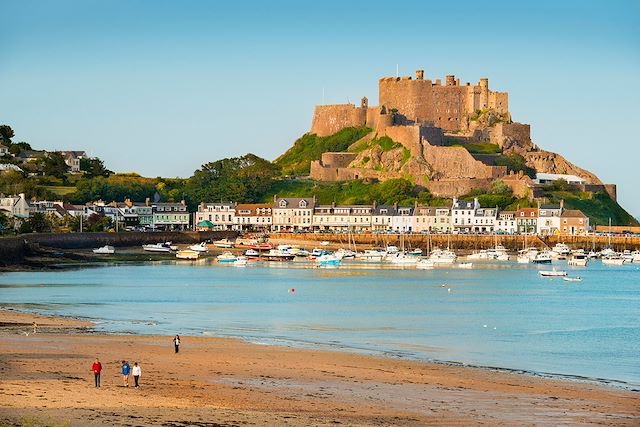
(496, 315)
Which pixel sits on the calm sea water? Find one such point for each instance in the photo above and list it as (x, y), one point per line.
(497, 315)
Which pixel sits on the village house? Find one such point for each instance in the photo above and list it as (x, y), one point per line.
(402, 221)
(549, 219)
(463, 215)
(381, 217)
(170, 216)
(424, 219)
(506, 223)
(342, 218)
(573, 223)
(484, 220)
(16, 208)
(292, 213)
(221, 215)
(252, 217)
(527, 220)
(4, 150)
(72, 159)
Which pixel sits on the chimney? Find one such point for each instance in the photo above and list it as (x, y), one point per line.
(146, 201)
(561, 204)
(275, 198)
(375, 204)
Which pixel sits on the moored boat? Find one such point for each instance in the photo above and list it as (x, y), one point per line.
(240, 261)
(552, 273)
(223, 244)
(612, 260)
(578, 260)
(200, 247)
(465, 265)
(104, 250)
(424, 264)
(156, 247)
(187, 254)
(572, 279)
(277, 255)
(543, 257)
(328, 260)
(226, 257)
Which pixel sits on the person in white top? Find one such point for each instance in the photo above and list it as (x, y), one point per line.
(136, 372)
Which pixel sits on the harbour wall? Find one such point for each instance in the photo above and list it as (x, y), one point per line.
(464, 242)
(14, 249)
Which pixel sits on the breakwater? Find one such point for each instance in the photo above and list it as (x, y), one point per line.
(13, 250)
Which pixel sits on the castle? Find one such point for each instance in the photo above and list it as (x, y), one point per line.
(425, 116)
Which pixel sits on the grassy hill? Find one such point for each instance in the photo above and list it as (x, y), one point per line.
(296, 160)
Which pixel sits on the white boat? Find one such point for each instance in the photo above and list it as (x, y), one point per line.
(439, 256)
(572, 279)
(593, 254)
(223, 244)
(187, 254)
(481, 254)
(251, 253)
(552, 273)
(607, 252)
(628, 256)
(345, 253)
(324, 243)
(105, 250)
(156, 247)
(371, 255)
(543, 257)
(226, 257)
(240, 261)
(636, 257)
(277, 255)
(390, 250)
(402, 259)
(560, 250)
(416, 252)
(424, 264)
(578, 260)
(523, 257)
(200, 247)
(503, 257)
(466, 265)
(328, 260)
(612, 260)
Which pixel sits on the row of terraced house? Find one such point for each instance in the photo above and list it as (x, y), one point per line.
(287, 214)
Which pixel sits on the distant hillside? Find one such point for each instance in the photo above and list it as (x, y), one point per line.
(297, 159)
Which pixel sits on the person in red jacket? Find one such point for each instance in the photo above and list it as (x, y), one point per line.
(96, 368)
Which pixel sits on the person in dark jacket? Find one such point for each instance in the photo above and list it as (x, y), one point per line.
(126, 370)
(176, 343)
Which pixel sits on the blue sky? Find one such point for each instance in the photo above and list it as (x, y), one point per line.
(162, 87)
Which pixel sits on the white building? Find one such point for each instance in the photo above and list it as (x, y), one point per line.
(332, 217)
(549, 219)
(546, 178)
(16, 208)
(463, 215)
(221, 215)
(485, 219)
(402, 221)
(381, 217)
(506, 223)
(292, 213)
(253, 217)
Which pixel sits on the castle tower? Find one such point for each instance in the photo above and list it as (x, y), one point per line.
(450, 80)
(484, 92)
(419, 74)
(364, 103)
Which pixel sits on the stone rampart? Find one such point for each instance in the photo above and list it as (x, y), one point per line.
(510, 135)
(329, 119)
(456, 187)
(456, 162)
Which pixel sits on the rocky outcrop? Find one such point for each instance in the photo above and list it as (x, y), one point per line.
(548, 162)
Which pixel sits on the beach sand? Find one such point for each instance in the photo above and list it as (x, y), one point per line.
(224, 382)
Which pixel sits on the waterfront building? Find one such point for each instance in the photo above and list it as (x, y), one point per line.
(253, 217)
(292, 213)
(16, 208)
(170, 216)
(424, 219)
(573, 223)
(342, 218)
(527, 220)
(463, 215)
(221, 215)
(549, 219)
(506, 223)
(381, 217)
(484, 220)
(402, 220)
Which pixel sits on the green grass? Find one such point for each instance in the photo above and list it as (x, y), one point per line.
(480, 148)
(59, 190)
(385, 143)
(599, 207)
(296, 160)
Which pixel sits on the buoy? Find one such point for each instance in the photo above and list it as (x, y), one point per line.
(449, 290)
(292, 291)
(443, 286)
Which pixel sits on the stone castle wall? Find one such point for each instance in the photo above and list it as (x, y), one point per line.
(329, 119)
(456, 187)
(456, 162)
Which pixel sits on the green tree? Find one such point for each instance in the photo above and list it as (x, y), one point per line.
(38, 222)
(242, 179)
(93, 168)
(54, 165)
(6, 133)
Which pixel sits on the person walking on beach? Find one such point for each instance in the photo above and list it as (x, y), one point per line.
(126, 369)
(35, 327)
(176, 343)
(96, 368)
(136, 371)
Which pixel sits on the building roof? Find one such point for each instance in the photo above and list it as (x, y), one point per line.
(294, 202)
(527, 213)
(571, 213)
(551, 207)
(253, 209)
(389, 210)
(461, 204)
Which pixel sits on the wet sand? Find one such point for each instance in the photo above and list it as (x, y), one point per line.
(226, 382)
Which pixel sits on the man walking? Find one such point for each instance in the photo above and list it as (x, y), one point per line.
(96, 368)
(136, 371)
(126, 369)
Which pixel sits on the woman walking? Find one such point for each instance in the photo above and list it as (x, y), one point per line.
(176, 343)
(126, 369)
(96, 368)
(136, 371)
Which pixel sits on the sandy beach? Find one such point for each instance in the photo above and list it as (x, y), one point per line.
(226, 382)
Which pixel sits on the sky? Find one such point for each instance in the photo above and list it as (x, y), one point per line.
(160, 87)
